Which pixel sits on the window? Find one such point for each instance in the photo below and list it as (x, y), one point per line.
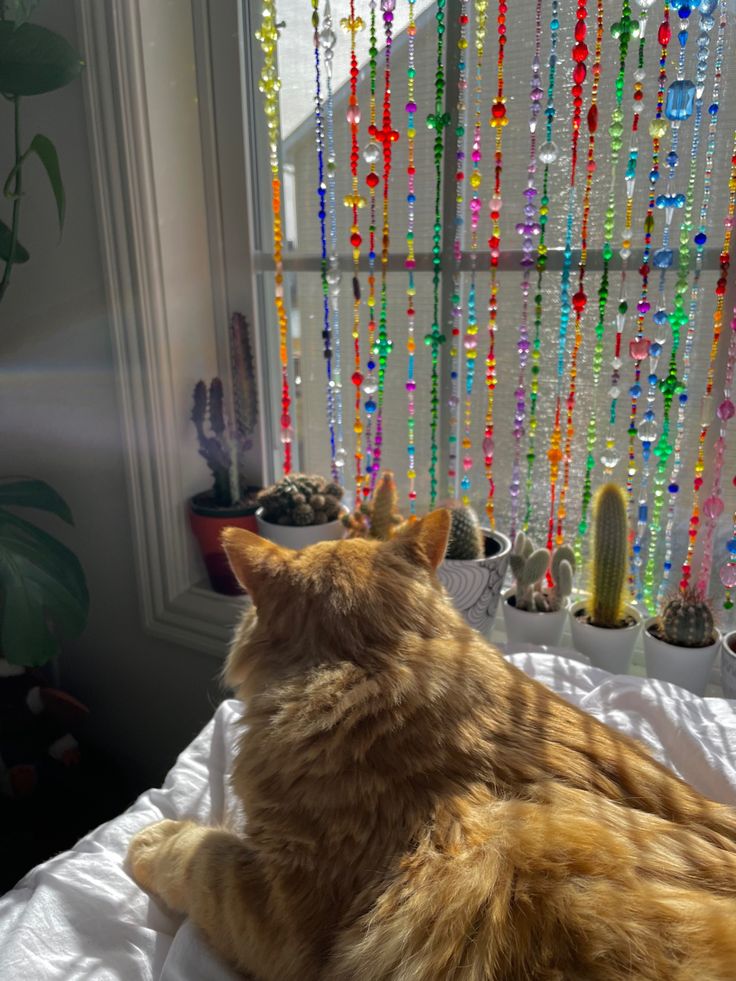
(303, 259)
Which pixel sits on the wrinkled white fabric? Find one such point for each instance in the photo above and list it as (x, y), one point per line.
(80, 917)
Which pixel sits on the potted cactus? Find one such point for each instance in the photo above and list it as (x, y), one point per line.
(300, 510)
(680, 645)
(378, 517)
(728, 664)
(604, 627)
(535, 608)
(474, 567)
(224, 443)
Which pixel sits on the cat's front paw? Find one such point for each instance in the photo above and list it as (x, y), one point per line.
(144, 851)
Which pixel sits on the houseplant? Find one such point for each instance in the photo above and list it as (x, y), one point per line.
(230, 500)
(43, 593)
(535, 608)
(603, 626)
(680, 645)
(474, 567)
(728, 664)
(301, 509)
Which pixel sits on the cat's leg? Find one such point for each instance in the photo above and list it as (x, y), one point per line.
(220, 883)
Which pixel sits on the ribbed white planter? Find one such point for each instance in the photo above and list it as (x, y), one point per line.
(299, 536)
(533, 627)
(687, 667)
(728, 664)
(474, 585)
(609, 649)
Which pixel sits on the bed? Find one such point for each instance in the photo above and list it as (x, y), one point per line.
(80, 917)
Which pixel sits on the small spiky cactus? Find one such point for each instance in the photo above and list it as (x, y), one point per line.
(466, 538)
(301, 500)
(378, 518)
(528, 567)
(687, 620)
(610, 556)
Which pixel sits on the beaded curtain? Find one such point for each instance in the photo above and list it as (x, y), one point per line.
(559, 317)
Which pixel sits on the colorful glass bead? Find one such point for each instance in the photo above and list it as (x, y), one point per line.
(680, 99)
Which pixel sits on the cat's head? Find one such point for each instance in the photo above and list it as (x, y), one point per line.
(334, 600)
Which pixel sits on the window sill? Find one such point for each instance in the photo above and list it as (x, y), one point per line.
(199, 618)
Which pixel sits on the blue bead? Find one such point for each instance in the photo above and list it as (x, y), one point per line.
(672, 158)
(371, 365)
(673, 488)
(683, 398)
(555, 24)
(662, 258)
(654, 176)
(701, 238)
(660, 317)
(682, 38)
(713, 109)
(706, 7)
(636, 548)
(655, 349)
(680, 99)
(635, 391)
(667, 566)
(731, 546)
(372, 256)
(643, 512)
(652, 379)
(370, 406)
(411, 198)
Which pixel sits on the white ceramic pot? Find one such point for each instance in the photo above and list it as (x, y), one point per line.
(474, 585)
(728, 664)
(532, 627)
(299, 536)
(687, 667)
(606, 648)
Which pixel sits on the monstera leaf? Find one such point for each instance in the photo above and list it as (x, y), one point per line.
(43, 593)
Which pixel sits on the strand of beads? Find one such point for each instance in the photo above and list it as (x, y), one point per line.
(386, 136)
(670, 385)
(319, 130)
(470, 341)
(437, 121)
(639, 347)
(623, 30)
(355, 201)
(705, 9)
(328, 40)
(371, 155)
(580, 299)
(547, 155)
(706, 406)
(498, 120)
(610, 456)
(457, 305)
(713, 504)
(270, 86)
(727, 572)
(528, 229)
(410, 263)
(554, 454)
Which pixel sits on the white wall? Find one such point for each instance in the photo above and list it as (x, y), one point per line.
(59, 421)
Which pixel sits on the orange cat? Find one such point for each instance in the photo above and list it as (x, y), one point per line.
(420, 810)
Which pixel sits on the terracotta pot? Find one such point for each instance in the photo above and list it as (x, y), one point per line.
(207, 522)
(728, 664)
(533, 627)
(687, 667)
(474, 585)
(300, 536)
(609, 649)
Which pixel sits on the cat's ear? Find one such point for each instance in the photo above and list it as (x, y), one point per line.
(254, 560)
(425, 539)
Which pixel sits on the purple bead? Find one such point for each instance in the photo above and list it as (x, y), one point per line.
(726, 410)
(411, 385)
(411, 107)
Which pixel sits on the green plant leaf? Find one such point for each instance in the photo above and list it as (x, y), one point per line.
(34, 60)
(20, 254)
(26, 493)
(46, 152)
(44, 589)
(19, 11)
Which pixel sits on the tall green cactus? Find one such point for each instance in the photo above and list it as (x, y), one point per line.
(610, 556)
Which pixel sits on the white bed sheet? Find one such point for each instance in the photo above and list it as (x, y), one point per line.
(80, 917)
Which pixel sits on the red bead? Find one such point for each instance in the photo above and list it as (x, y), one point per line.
(578, 73)
(355, 240)
(579, 300)
(664, 34)
(498, 110)
(580, 30)
(593, 118)
(357, 378)
(580, 52)
(372, 180)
